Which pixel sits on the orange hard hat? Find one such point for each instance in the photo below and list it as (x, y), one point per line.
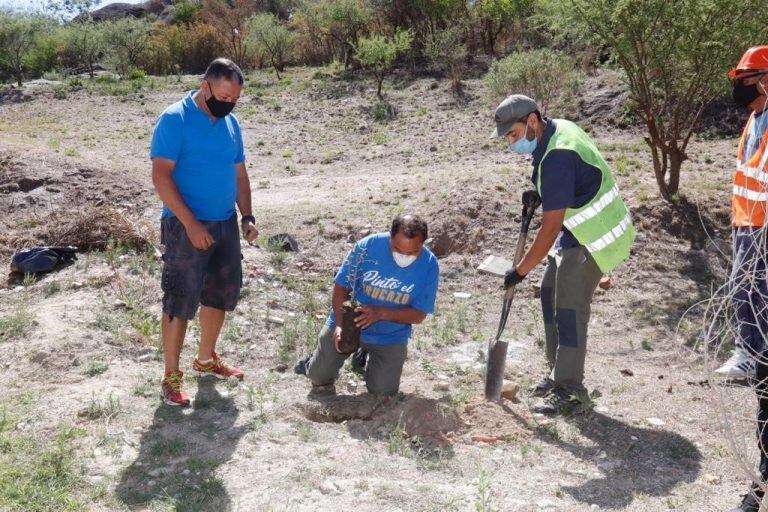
(756, 58)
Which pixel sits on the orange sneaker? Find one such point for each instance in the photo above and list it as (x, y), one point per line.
(217, 367)
(171, 390)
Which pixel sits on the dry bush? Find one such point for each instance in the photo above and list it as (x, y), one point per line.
(93, 229)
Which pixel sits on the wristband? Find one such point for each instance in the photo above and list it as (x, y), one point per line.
(248, 218)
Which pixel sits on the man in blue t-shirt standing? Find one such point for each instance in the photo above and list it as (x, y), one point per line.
(395, 279)
(198, 169)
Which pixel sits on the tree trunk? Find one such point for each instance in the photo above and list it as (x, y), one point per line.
(666, 168)
(380, 79)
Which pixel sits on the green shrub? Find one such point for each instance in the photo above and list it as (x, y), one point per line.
(448, 53)
(272, 40)
(378, 54)
(548, 76)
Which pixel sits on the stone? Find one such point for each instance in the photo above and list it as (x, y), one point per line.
(509, 390)
(495, 265)
(275, 320)
(462, 295)
(145, 358)
(711, 479)
(442, 386)
(329, 488)
(656, 422)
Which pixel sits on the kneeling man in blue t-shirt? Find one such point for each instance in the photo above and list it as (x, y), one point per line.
(395, 278)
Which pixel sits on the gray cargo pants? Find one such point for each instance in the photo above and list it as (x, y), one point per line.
(382, 373)
(567, 287)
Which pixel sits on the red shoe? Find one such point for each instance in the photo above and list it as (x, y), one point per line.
(217, 367)
(171, 390)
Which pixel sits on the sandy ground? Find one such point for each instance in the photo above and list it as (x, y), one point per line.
(325, 170)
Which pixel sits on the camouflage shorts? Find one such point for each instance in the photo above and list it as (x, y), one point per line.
(192, 276)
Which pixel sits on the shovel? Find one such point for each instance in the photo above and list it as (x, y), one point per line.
(497, 349)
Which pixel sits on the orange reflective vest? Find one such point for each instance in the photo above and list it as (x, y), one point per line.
(750, 182)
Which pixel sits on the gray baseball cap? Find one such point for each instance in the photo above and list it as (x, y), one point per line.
(510, 110)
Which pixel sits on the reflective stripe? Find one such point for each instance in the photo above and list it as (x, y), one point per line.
(608, 238)
(750, 195)
(753, 172)
(593, 210)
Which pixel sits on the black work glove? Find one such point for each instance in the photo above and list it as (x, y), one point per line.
(512, 278)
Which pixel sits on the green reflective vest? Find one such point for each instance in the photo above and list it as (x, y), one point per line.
(603, 225)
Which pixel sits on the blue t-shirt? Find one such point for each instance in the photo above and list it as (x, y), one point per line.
(381, 282)
(755, 134)
(567, 181)
(205, 153)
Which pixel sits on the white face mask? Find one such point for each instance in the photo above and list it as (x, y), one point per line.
(403, 260)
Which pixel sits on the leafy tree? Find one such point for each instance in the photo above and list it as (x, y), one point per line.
(185, 11)
(548, 76)
(18, 35)
(344, 21)
(230, 19)
(272, 39)
(447, 51)
(379, 54)
(674, 53)
(128, 41)
(495, 17)
(83, 44)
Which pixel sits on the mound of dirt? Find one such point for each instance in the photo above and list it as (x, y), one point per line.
(432, 421)
(341, 408)
(506, 421)
(462, 220)
(56, 200)
(685, 220)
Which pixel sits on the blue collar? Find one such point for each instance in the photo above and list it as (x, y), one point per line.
(541, 146)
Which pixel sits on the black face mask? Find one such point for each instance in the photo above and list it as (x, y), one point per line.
(217, 107)
(744, 95)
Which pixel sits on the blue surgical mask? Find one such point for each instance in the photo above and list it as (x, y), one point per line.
(523, 145)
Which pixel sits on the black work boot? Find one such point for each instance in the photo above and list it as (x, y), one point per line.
(543, 387)
(300, 368)
(562, 400)
(748, 504)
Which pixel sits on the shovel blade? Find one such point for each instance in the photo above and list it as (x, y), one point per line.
(494, 369)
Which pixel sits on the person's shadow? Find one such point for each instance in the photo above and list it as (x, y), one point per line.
(180, 451)
(632, 460)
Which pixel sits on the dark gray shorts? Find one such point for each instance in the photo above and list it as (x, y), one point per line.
(191, 276)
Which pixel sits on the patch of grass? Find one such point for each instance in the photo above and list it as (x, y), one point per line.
(306, 432)
(262, 184)
(380, 137)
(287, 153)
(36, 476)
(16, 325)
(51, 288)
(483, 494)
(165, 447)
(397, 441)
(95, 367)
(97, 409)
(145, 387)
(646, 345)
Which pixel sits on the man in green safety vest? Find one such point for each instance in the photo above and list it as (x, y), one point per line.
(586, 232)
